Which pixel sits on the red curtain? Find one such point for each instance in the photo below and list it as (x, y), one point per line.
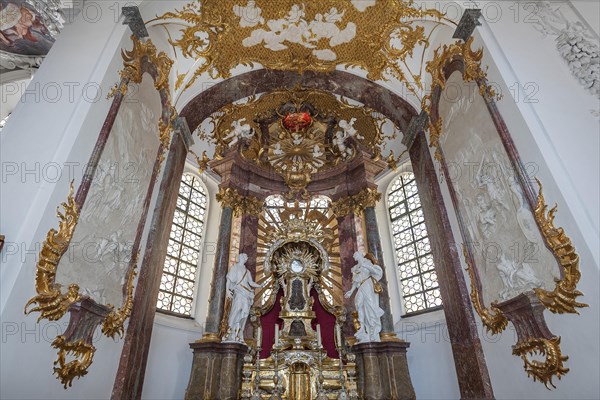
(324, 318)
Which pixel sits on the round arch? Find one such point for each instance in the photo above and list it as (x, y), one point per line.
(342, 83)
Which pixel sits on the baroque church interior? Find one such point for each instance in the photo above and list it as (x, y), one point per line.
(260, 199)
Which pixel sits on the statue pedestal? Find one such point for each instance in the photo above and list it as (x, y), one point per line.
(382, 371)
(216, 371)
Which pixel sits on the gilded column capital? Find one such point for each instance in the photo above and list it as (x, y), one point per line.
(241, 205)
(356, 204)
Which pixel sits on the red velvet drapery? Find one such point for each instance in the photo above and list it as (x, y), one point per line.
(324, 318)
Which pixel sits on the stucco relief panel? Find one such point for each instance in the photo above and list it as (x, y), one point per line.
(101, 249)
(507, 246)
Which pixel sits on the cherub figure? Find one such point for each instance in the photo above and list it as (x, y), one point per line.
(239, 131)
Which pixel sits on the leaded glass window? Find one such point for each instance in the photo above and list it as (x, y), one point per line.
(418, 280)
(179, 272)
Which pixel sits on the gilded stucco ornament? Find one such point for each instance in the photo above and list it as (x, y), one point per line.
(82, 354)
(377, 36)
(133, 70)
(543, 371)
(114, 323)
(472, 72)
(52, 303)
(297, 133)
(493, 319)
(241, 205)
(563, 299)
(356, 204)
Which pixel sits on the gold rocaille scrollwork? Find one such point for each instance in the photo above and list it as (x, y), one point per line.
(83, 354)
(113, 324)
(493, 319)
(51, 302)
(472, 72)
(133, 71)
(563, 299)
(544, 370)
(356, 204)
(386, 34)
(241, 205)
(292, 154)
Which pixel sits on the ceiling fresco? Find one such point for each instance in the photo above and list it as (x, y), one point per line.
(27, 31)
(23, 30)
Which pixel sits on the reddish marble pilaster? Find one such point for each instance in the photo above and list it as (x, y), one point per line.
(249, 240)
(471, 369)
(130, 375)
(218, 286)
(348, 246)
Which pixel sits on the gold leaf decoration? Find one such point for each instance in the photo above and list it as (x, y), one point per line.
(356, 204)
(376, 37)
(51, 302)
(66, 371)
(552, 365)
(241, 205)
(113, 324)
(563, 299)
(472, 72)
(133, 71)
(493, 319)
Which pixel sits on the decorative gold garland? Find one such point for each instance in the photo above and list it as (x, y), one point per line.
(493, 319)
(241, 205)
(563, 299)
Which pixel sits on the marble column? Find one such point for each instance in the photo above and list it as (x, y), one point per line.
(374, 246)
(134, 356)
(348, 247)
(219, 280)
(471, 369)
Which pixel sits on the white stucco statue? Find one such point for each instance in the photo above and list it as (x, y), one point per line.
(365, 280)
(240, 289)
(240, 131)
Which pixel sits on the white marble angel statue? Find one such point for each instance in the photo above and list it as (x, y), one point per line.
(239, 131)
(365, 280)
(240, 291)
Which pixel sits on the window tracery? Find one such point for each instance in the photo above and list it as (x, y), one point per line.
(416, 273)
(177, 284)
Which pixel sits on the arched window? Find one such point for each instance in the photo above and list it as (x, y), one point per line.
(418, 280)
(176, 293)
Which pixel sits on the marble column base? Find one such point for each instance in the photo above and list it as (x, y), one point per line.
(216, 371)
(382, 371)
